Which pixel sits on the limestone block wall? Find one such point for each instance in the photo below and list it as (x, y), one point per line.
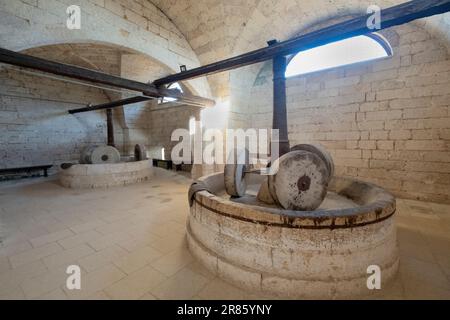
(135, 118)
(35, 126)
(163, 120)
(384, 121)
(152, 123)
(133, 39)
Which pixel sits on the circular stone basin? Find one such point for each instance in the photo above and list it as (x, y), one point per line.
(324, 253)
(85, 176)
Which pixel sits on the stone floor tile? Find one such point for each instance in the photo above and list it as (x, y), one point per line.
(79, 239)
(57, 294)
(102, 242)
(51, 237)
(99, 295)
(218, 289)
(15, 248)
(101, 258)
(16, 276)
(44, 284)
(137, 259)
(148, 296)
(87, 226)
(130, 243)
(172, 262)
(67, 257)
(34, 254)
(136, 284)
(185, 284)
(95, 281)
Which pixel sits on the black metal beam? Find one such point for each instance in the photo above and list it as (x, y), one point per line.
(150, 90)
(390, 17)
(124, 102)
(110, 105)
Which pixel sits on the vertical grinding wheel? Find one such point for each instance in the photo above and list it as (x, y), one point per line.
(264, 194)
(140, 152)
(86, 154)
(319, 151)
(234, 174)
(99, 155)
(301, 181)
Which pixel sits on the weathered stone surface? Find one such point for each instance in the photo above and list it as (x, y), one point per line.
(316, 254)
(88, 176)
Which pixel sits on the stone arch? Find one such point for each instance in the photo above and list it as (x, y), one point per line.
(26, 27)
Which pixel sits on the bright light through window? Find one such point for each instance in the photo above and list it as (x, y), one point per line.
(340, 53)
(175, 85)
(192, 126)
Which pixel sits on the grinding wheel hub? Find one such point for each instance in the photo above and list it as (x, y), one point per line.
(319, 151)
(300, 182)
(99, 155)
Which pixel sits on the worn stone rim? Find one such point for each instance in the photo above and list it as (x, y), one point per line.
(381, 208)
(88, 176)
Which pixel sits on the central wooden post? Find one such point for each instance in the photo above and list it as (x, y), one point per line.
(279, 103)
(110, 127)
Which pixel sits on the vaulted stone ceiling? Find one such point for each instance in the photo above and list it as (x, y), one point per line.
(210, 26)
(218, 29)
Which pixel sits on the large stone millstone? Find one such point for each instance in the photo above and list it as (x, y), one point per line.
(300, 182)
(140, 152)
(264, 193)
(321, 152)
(234, 173)
(99, 155)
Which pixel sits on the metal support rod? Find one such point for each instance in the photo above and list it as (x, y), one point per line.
(110, 105)
(279, 103)
(132, 100)
(110, 127)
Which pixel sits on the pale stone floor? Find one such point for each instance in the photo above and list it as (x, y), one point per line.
(130, 244)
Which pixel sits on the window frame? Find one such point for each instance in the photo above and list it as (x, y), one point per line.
(164, 101)
(381, 40)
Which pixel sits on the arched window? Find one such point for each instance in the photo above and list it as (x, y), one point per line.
(340, 53)
(175, 85)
